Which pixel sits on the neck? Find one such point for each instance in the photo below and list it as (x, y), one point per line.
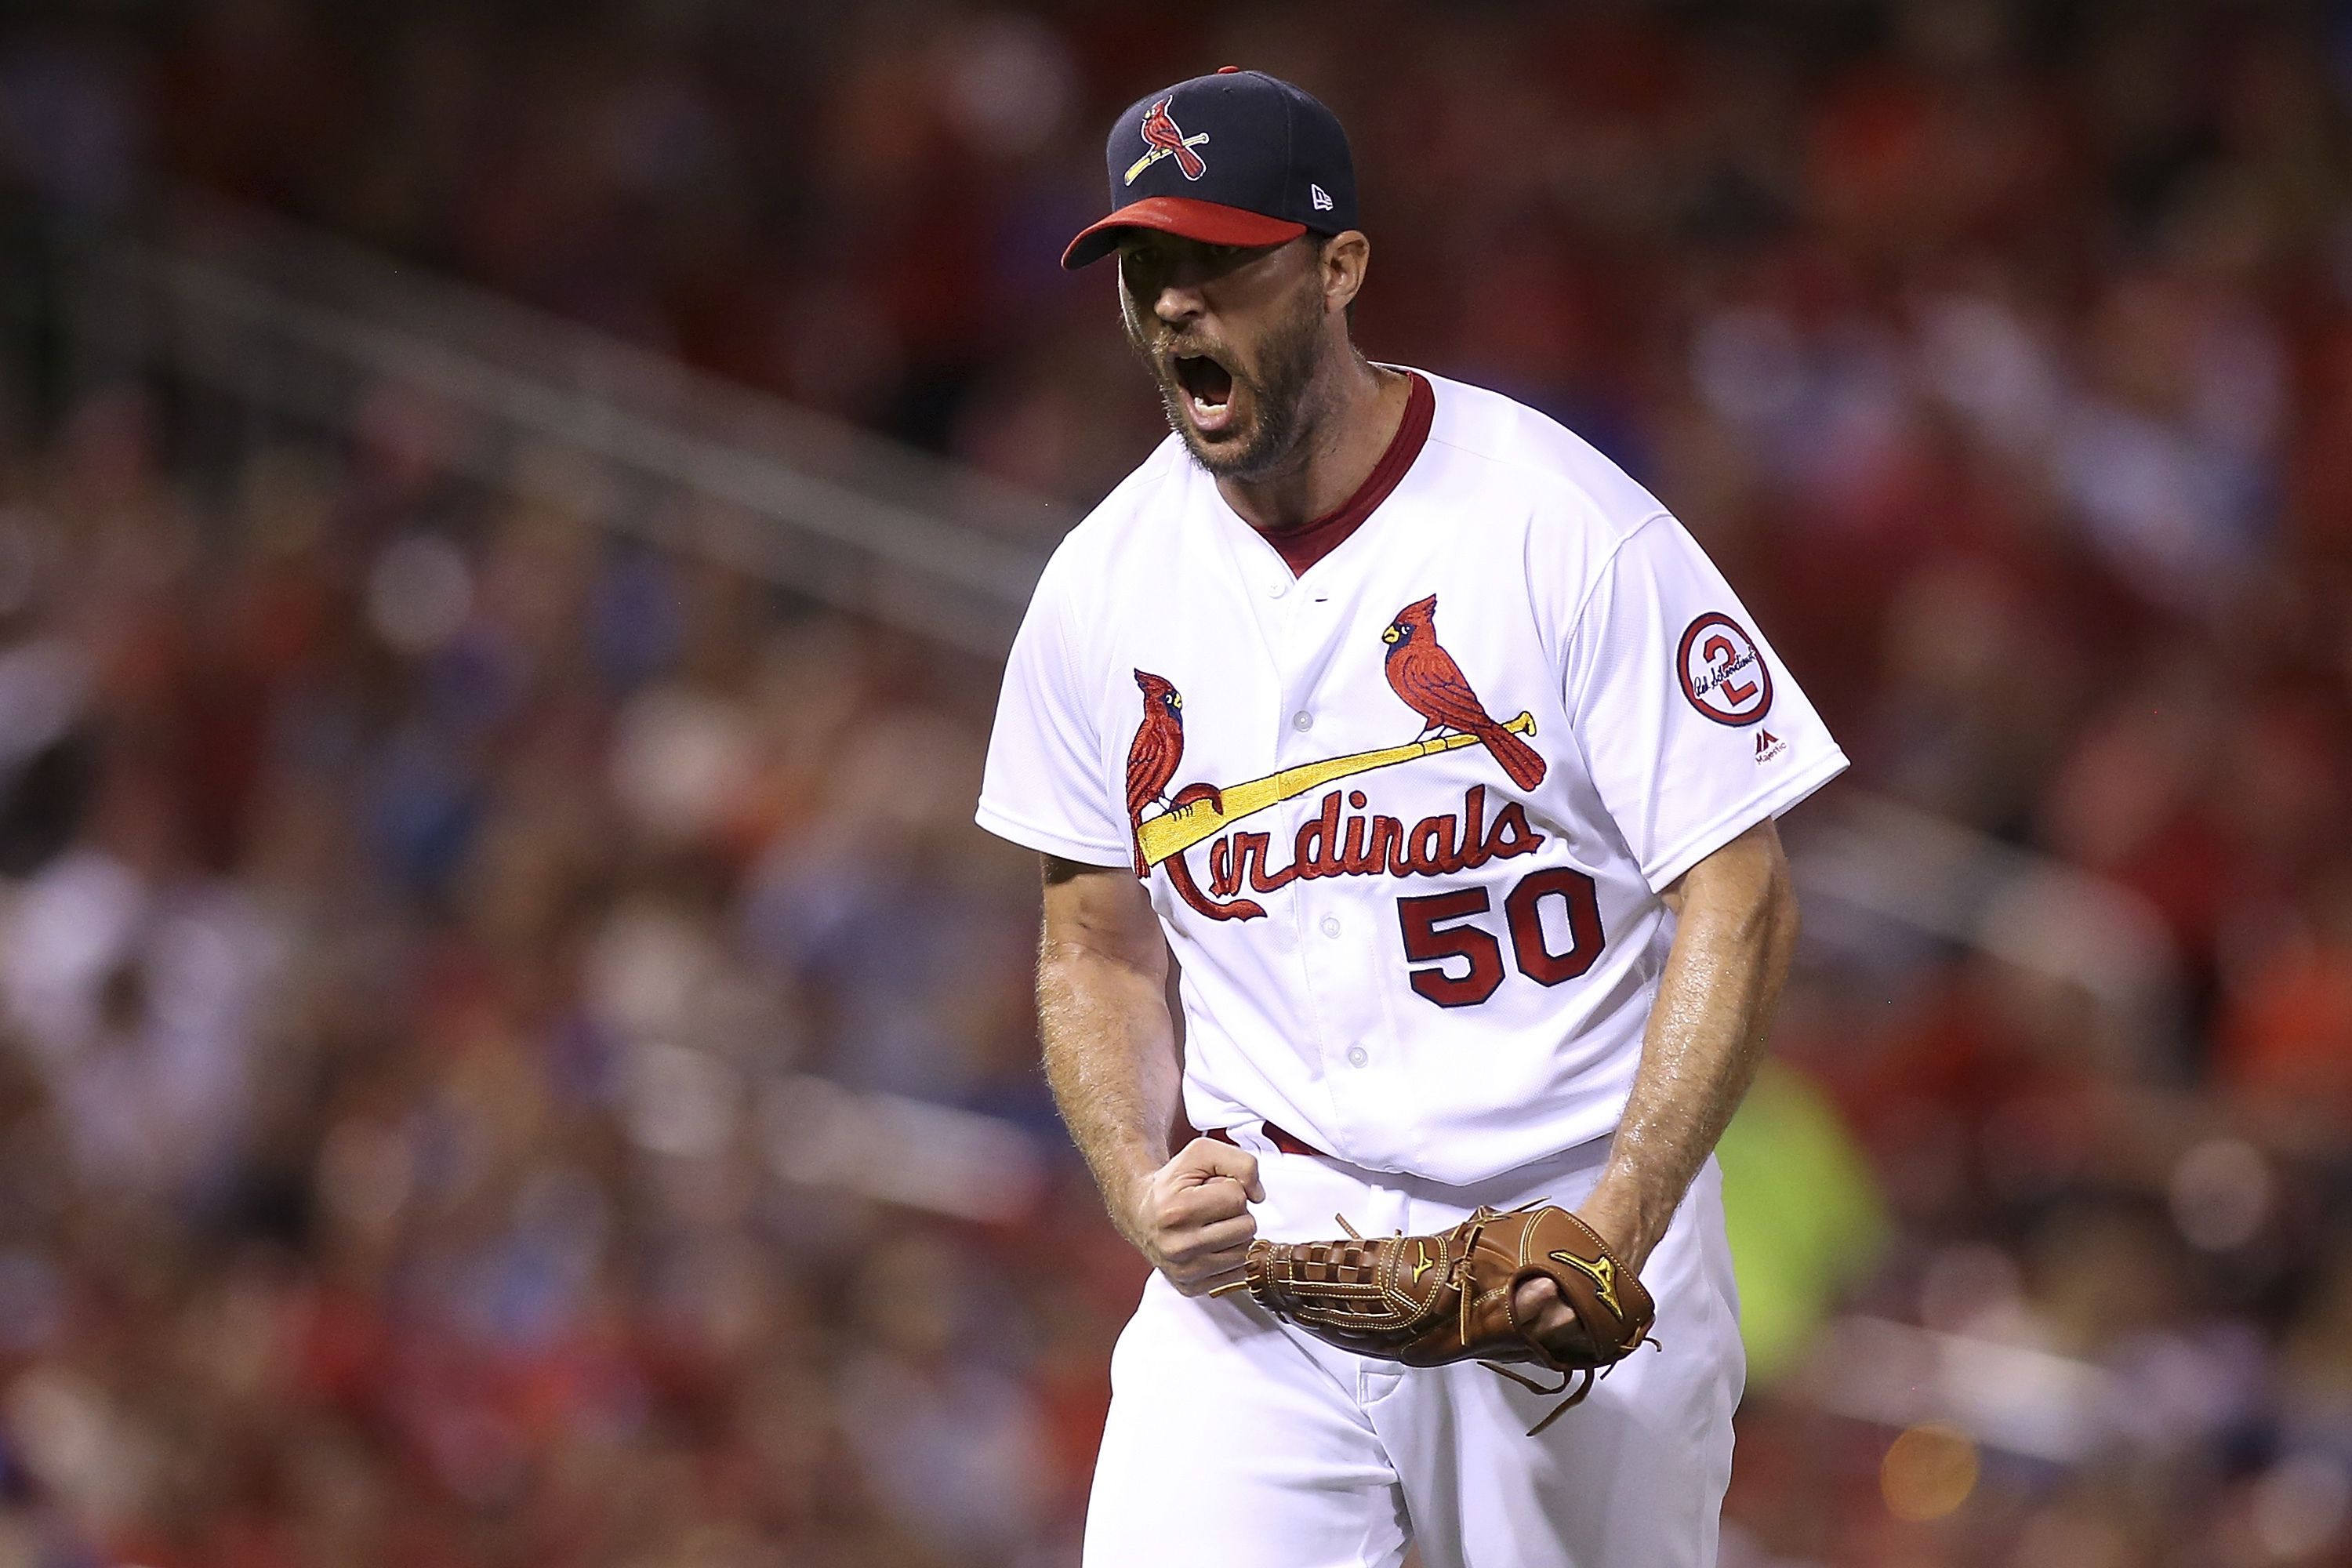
(1354, 410)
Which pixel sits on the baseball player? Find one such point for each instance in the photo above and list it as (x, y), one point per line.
(1446, 765)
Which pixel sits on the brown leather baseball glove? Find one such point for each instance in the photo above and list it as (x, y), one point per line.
(1426, 1300)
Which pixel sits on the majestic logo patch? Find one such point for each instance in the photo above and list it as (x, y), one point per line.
(1723, 674)
(1769, 746)
(1166, 140)
(1346, 837)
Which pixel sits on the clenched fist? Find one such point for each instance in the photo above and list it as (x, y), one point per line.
(1191, 1216)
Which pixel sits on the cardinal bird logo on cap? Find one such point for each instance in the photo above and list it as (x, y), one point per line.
(1167, 140)
(1425, 676)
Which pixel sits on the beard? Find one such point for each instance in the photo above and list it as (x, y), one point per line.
(1279, 383)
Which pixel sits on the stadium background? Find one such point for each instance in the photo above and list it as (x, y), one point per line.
(511, 1050)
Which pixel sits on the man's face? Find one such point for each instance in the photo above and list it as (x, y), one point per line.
(1233, 337)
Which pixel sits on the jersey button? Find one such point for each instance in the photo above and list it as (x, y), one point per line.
(1302, 722)
(1276, 588)
(1331, 925)
(1358, 1055)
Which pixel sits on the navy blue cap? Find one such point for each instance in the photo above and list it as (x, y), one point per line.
(1234, 158)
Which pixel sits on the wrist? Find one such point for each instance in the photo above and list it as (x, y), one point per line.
(1125, 1182)
(1629, 1222)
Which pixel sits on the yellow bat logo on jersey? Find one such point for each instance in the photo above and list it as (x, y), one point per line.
(1602, 1274)
(1173, 832)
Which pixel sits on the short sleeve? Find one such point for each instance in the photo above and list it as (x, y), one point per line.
(1692, 729)
(1047, 785)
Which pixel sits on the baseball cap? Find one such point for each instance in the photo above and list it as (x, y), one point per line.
(1236, 157)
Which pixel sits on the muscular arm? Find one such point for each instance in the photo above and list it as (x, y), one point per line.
(1704, 1040)
(1706, 1036)
(1102, 1013)
(1112, 1062)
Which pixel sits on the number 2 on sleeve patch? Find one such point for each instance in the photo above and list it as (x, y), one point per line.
(1724, 674)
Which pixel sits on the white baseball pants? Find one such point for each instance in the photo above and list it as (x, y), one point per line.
(1238, 1441)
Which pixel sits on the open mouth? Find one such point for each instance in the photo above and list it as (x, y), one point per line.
(1208, 391)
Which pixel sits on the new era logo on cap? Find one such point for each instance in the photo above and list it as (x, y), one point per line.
(1279, 166)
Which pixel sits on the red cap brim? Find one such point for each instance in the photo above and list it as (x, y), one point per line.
(1208, 222)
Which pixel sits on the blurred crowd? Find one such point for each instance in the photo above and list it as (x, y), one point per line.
(436, 932)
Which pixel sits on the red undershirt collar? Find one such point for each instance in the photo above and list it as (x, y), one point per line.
(1303, 547)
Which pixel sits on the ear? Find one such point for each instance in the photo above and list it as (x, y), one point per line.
(1344, 259)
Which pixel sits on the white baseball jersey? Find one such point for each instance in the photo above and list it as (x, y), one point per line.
(1404, 816)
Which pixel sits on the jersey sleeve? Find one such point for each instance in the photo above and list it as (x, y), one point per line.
(1047, 785)
(1692, 729)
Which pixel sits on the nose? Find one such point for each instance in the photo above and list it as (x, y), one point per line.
(1178, 304)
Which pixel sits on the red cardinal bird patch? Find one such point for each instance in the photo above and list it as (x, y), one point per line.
(1153, 756)
(1152, 759)
(1425, 676)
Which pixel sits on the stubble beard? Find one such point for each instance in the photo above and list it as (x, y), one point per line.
(1279, 386)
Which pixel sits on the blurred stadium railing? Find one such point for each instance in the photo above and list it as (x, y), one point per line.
(299, 328)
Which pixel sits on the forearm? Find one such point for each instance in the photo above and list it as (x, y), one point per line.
(1706, 1036)
(1112, 1063)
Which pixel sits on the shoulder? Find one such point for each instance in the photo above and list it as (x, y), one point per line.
(1564, 479)
(1111, 554)
(1151, 498)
